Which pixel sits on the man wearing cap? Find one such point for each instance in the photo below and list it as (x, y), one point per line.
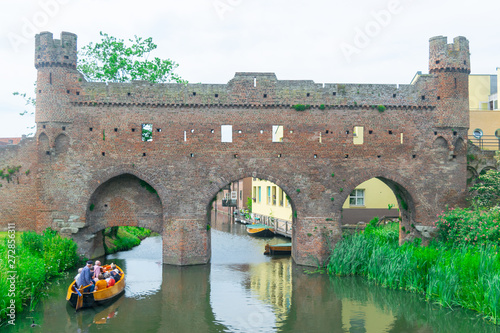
(86, 278)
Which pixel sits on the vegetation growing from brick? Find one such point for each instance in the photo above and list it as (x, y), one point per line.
(449, 275)
(301, 107)
(38, 258)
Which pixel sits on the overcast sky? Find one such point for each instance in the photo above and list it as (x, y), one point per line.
(376, 41)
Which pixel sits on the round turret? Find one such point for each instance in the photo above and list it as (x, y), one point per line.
(55, 52)
(444, 57)
(54, 60)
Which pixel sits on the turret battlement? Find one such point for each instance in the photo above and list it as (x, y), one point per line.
(55, 52)
(444, 57)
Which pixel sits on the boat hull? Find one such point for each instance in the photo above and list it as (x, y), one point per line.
(98, 297)
(261, 232)
(278, 249)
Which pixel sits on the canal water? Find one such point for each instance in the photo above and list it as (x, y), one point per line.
(242, 290)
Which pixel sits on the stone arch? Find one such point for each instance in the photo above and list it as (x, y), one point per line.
(43, 144)
(124, 200)
(440, 149)
(471, 175)
(460, 147)
(404, 192)
(486, 169)
(229, 178)
(62, 143)
(440, 143)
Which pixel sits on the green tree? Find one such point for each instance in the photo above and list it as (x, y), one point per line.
(249, 204)
(111, 60)
(486, 192)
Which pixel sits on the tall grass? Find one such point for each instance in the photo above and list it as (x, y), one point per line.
(38, 258)
(465, 275)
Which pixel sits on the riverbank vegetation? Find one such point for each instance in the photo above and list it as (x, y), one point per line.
(447, 273)
(461, 267)
(123, 238)
(37, 259)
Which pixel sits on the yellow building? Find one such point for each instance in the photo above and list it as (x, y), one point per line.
(270, 201)
(484, 129)
(369, 199)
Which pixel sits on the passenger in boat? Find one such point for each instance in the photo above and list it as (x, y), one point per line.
(115, 275)
(97, 269)
(85, 278)
(101, 284)
(78, 276)
(109, 279)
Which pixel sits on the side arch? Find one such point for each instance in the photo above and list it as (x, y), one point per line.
(405, 194)
(62, 143)
(124, 200)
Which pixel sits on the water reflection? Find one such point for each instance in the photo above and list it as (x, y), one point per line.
(143, 268)
(242, 291)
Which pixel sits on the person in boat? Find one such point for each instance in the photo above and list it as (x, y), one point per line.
(97, 269)
(78, 276)
(109, 279)
(85, 278)
(115, 276)
(101, 284)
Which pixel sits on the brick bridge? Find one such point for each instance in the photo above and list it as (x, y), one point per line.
(89, 167)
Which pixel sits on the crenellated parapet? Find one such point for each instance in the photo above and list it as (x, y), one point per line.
(255, 90)
(444, 57)
(55, 52)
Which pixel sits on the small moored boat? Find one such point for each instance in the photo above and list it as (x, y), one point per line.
(79, 299)
(285, 248)
(261, 230)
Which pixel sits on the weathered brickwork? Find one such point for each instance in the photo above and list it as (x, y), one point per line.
(89, 165)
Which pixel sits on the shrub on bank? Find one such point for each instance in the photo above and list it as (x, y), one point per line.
(464, 226)
(37, 259)
(465, 275)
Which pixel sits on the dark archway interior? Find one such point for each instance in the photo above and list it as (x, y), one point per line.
(125, 200)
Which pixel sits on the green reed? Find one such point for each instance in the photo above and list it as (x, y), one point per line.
(466, 275)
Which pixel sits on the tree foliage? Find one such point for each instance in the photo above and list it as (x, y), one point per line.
(111, 60)
(486, 192)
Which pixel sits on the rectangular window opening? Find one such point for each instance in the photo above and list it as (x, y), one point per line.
(147, 132)
(358, 135)
(226, 133)
(277, 133)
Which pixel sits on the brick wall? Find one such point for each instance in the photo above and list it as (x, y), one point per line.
(88, 150)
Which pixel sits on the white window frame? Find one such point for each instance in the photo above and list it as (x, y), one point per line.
(358, 195)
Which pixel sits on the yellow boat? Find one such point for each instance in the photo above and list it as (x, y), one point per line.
(261, 230)
(94, 298)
